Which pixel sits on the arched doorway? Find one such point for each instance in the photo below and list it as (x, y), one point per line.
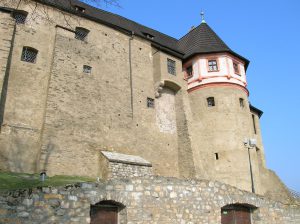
(108, 212)
(236, 214)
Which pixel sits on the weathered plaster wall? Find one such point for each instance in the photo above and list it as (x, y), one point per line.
(146, 201)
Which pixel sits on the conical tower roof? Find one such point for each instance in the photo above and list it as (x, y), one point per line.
(203, 40)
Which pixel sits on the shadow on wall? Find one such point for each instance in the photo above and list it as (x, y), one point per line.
(5, 80)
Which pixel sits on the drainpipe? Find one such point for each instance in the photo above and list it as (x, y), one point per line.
(130, 71)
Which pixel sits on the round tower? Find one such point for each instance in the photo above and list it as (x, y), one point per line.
(221, 117)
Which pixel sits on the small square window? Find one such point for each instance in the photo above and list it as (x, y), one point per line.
(81, 33)
(211, 102)
(236, 68)
(150, 102)
(171, 67)
(20, 17)
(87, 69)
(189, 71)
(242, 104)
(213, 65)
(29, 54)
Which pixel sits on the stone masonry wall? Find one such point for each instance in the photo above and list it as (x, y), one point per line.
(146, 201)
(123, 170)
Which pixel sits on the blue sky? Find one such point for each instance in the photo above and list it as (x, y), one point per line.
(268, 34)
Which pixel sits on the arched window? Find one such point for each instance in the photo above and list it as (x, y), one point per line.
(81, 33)
(237, 214)
(29, 54)
(108, 212)
(20, 16)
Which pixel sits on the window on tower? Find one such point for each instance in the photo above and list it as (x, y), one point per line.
(236, 68)
(213, 65)
(210, 101)
(242, 104)
(189, 71)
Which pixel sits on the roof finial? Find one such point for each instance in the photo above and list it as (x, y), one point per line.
(202, 17)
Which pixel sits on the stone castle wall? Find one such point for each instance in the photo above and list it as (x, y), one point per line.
(57, 118)
(143, 200)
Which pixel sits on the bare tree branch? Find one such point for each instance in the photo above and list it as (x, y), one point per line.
(41, 12)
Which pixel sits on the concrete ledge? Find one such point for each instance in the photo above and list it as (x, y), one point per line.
(126, 159)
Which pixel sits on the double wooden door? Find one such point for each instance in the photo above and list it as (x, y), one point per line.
(104, 215)
(236, 215)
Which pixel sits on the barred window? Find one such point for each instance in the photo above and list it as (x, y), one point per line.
(87, 69)
(150, 102)
(81, 33)
(29, 54)
(20, 16)
(171, 67)
(212, 65)
(211, 102)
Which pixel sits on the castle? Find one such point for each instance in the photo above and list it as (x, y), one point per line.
(81, 87)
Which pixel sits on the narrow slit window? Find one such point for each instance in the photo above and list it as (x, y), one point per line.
(20, 16)
(29, 55)
(87, 69)
(254, 125)
(81, 33)
(211, 102)
(217, 156)
(189, 72)
(236, 68)
(150, 102)
(171, 67)
(242, 103)
(213, 65)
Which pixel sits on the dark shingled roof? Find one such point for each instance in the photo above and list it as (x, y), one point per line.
(200, 40)
(203, 40)
(117, 22)
(256, 110)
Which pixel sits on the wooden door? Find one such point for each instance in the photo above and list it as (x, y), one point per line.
(104, 215)
(236, 215)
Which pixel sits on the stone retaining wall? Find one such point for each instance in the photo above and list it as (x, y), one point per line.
(147, 200)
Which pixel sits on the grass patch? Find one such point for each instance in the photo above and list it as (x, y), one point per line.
(13, 181)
